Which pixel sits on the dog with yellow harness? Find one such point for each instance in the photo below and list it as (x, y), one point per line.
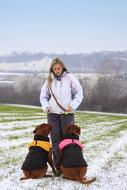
(40, 153)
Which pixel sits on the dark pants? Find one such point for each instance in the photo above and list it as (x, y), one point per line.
(58, 123)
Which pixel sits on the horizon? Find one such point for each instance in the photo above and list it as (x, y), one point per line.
(87, 53)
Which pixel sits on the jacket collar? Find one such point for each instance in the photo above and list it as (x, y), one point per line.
(58, 77)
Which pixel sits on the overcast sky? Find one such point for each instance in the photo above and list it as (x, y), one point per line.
(63, 26)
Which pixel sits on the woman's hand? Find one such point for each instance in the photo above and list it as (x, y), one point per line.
(47, 110)
(69, 109)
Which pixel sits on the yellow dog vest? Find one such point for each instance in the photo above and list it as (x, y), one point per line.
(43, 144)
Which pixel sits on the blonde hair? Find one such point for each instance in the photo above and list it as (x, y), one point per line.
(55, 61)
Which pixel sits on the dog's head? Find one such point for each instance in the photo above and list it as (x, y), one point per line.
(72, 129)
(43, 129)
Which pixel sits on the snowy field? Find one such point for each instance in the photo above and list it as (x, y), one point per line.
(104, 136)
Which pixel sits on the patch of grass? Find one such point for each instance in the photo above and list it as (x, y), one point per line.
(21, 145)
(14, 137)
(19, 128)
(117, 157)
(10, 161)
(23, 119)
(112, 133)
(23, 115)
(17, 109)
(98, 117)
(85, 120)
(81, 119)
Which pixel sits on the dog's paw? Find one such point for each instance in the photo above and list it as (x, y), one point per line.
(57, 173)
(22, 178)
(88, 181)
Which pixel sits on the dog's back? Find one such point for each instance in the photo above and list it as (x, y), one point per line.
(71, 152)
(36, 158)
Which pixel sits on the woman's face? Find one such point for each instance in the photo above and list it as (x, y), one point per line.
(57, 69)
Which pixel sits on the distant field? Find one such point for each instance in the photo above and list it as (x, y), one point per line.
(104, 136)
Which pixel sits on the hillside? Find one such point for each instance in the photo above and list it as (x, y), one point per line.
(104, 136)
(96, 62)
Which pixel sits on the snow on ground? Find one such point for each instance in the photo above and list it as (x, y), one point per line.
(105, 151)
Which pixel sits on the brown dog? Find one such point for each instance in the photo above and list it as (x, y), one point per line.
(73, 164)
(40, 152)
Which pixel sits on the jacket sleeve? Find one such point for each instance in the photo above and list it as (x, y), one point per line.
(77, 92)
(45, 96)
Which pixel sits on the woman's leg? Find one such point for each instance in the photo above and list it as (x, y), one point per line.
(54, 121)
(66, 119)
(58, 123)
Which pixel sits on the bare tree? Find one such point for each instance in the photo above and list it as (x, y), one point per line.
(29, 89)
(106, 93)
(86, 90)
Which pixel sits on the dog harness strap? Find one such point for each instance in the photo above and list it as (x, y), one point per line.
(43, 144)
(73, 142)
(35, 142)
(66, 142)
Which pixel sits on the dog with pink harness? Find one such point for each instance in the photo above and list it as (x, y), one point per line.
(73, 163)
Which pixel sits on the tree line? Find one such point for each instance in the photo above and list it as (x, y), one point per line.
(106, 95)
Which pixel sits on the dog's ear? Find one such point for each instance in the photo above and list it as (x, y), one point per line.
(78, 130)
(72, 129)
(45, 129)
(36, 129)
(67, 128)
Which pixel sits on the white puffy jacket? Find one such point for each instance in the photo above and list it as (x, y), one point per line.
(67, 91)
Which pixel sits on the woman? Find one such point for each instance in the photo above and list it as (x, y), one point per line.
(60, 96)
